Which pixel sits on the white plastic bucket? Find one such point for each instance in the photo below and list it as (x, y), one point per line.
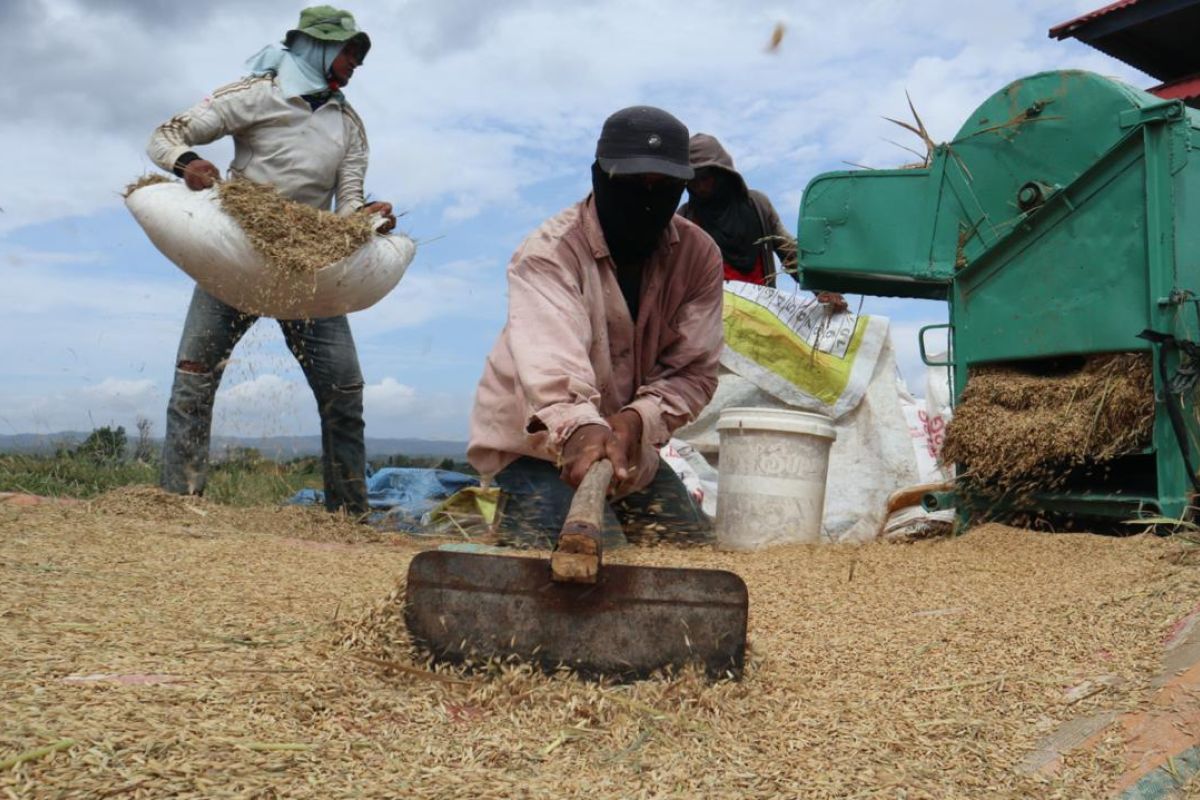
(771, 483)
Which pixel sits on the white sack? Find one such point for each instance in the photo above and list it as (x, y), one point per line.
(698, 476)
(191, 229)
(927, 421)
(872, 457)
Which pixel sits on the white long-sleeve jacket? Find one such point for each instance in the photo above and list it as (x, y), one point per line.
(309, 156)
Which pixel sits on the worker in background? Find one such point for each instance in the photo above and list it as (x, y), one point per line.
(292, 129)
(612, 342)
(740, 220)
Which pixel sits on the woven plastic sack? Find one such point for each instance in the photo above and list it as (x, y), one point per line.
(192, 231)
(791, 347)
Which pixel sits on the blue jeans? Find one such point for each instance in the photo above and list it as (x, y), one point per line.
(325, 350)
(536, 502)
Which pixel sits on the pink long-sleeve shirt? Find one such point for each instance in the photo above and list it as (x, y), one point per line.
(571, 355)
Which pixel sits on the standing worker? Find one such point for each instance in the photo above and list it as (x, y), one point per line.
(740, 220)
(292, 129)
(612, 342)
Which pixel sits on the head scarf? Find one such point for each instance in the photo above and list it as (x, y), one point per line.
(728, 216)
(301, 68)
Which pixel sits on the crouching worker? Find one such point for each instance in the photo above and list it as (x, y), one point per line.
(612, 342)
(293, 129)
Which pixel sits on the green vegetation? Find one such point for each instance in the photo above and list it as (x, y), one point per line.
(67, 475)
(423, 462)
(236, 482)
(102, 446)
(244, 477)
(107, 460)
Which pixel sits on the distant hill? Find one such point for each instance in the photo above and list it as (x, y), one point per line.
(277, 447)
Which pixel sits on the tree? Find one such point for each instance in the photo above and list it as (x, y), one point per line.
(103, 445)
(143, 451)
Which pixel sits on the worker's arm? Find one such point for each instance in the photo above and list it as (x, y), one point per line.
(226, 111)
(685, 374)
(352, 173)
(782, 241)
(550, 338)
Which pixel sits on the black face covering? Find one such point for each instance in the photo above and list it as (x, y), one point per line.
(632, 216)
(730, 219)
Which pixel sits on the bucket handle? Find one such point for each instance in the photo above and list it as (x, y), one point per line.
(949, 362)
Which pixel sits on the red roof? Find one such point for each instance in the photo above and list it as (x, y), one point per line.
(1066, 29)
(1184, 89)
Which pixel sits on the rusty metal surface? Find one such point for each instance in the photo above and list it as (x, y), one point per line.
(631, 623)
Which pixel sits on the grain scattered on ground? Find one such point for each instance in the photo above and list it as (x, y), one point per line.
(149, 650)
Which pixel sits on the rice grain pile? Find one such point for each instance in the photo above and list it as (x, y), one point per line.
(169, 653)
(1015, 431)
(290, 236)
(148, 509)
(148, 179)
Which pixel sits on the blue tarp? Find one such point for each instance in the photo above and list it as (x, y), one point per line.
(400, 496)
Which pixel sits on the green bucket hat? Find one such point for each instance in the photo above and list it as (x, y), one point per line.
(329, 24)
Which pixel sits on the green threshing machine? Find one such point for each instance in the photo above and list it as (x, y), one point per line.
(1062, 221)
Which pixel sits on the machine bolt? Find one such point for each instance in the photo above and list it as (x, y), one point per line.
(1030, 196)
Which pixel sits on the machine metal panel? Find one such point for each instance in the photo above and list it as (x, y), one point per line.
(1063, 218)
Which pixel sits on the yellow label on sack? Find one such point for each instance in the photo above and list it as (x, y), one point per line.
(755, 332)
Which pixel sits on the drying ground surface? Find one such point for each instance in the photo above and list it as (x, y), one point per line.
(152, 646)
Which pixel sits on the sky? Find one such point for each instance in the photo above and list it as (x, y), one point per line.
(482, 117)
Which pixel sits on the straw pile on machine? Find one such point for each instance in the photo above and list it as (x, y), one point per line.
(1015, 431)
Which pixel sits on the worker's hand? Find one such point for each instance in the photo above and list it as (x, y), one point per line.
(200, 174)
(587, 445)
(627, 432)
(836, 303)
(385, 209)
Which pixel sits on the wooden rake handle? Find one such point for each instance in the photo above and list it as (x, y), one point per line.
(578, 555)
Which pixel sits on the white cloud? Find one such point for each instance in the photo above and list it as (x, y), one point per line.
(392, 408)
(390, 393)
(25, 257)
(908, 355)
(43, 283)
(469, 103)
(265, 405)
(116, 390)
(469, 289)
(275, 405)
(481, 115)
(111, 401)
(260, 405)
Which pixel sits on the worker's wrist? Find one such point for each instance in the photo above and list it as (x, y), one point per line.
(649, 411)
(182, 162)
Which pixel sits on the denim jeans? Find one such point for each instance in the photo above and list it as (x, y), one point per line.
(325, 350)
(536, 502)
